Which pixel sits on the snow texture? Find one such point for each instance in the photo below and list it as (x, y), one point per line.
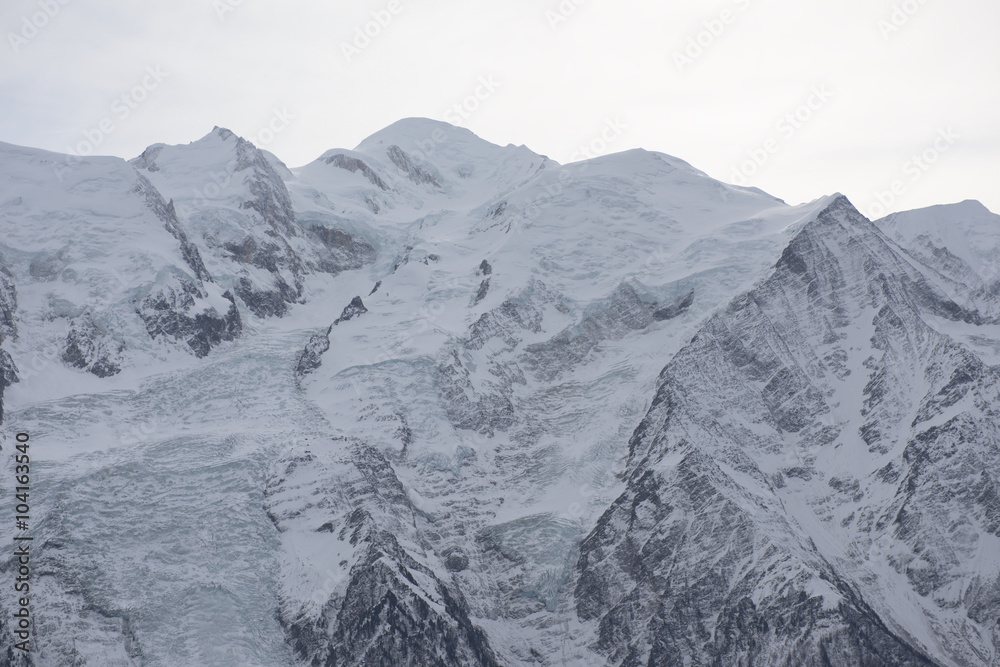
(434, 401)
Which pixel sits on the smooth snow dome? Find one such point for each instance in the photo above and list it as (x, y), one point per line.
(795, 98)
(967, 230)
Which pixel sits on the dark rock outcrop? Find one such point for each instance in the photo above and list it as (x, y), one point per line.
(171, 311)
(92, 348)
(484, 288)
(623, 313)
(340, 251)
(355, 308)
(166, 212)
(418, 173)
(311, 357)
(383, 606)
(8, 376)
(8, 304)
(356, 165)
(675, 309)
(699, 560)
(8, 329)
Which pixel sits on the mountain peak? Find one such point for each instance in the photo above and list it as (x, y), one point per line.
(421, 134)
(966, 208)
(966, 230)
(682, 419)
(437, 141)
(221, 132)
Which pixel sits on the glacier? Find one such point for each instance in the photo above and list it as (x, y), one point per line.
(434, 401)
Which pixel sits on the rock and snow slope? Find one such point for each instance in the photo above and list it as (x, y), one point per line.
(438, 402)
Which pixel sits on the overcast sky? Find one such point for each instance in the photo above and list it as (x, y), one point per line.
(895, 100)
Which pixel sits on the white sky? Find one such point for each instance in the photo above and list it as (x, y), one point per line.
(558, 84)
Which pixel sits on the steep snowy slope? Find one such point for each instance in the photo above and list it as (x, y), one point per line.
(97, 271)
(504, 359)
(233, 202)
(960, 244)
(960, 240)
(433, 401)
(815, 482)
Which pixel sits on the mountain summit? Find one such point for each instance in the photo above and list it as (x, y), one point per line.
(433, 401)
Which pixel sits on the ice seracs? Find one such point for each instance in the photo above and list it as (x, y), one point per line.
(435, 401)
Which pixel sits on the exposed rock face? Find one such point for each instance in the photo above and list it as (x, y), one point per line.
(267, 245)
(486, 410)
(166, 212)
(675, 309)
(311, 357)
(344, 251)
(177, 308)
(668, 421)
(245, 223)
(660, 556)
(487, 406)
(701, 557)
(8, 304)
(391, 608)
(354, 164)
(484, 288)
(262, 301)
(172, 311)
(147, 161)
(419, 174)
(8, 329)
(100, 276)
(625, 312)
(93, 348)
(354, 309)
(8, 376)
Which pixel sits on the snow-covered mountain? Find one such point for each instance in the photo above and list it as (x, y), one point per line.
(433, 401)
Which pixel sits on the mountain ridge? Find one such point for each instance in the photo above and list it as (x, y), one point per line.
(465, 405)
